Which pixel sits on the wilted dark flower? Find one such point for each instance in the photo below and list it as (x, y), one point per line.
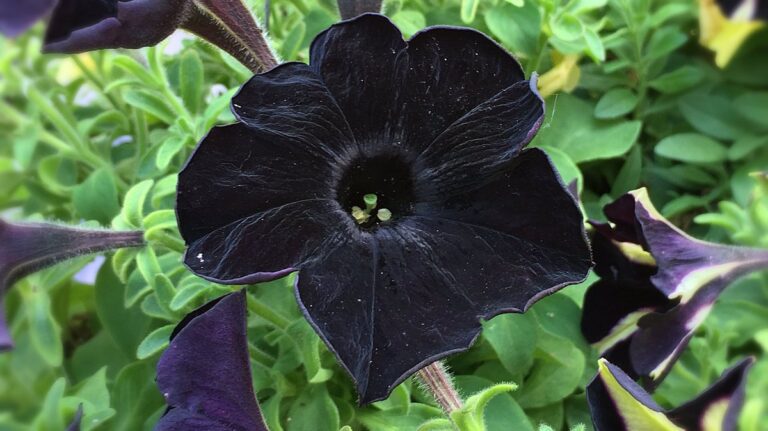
(392, 176)
(205, 374)
(617, 403)
(27, 248)
(657, 286)
(86, 25)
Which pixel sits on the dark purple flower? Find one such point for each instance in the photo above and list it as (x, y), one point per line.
(391, 175)
(205, 374)
(27, 248)
(17, 16)
(657, 285)
(744, 9)
(86, 25)
(617, 403)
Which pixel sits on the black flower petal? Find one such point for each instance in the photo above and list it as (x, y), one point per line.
(617, 403)
(205, 374)
(360, 62)
(482, 140)
(477, 226)
(17, 16)
(408, 92)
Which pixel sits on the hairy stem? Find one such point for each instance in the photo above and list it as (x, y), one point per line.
(438, 382)
(229, 25)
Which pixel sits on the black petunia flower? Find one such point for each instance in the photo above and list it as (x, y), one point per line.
(391, 175)
(87, 25)
(205, 373)
(657, 286)
(617, 403)
(31, 247)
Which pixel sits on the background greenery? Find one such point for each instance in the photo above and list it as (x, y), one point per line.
(634, 99)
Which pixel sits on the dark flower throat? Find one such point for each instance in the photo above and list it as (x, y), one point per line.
(389, 177)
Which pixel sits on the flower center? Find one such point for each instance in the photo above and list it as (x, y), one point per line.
(376, 190)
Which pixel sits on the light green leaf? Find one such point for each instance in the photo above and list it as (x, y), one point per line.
(156, 341)
(133, 204)
(191, 80)
(691, 148)
(96, 197)
(571, 128)
(469, 10)
(615, 103)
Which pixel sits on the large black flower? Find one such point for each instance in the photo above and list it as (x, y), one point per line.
(392, 176)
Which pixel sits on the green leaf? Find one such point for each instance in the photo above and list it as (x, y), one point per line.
(50, 417)
(747, 146)
(513, 337)
(164, 289)
(664, 41)
(135, 396)
(472, 415)
(133, 204)
(615, 103)
(691, 148)
(678, 80)
(571, 128)
(152, 103)
(567, 27)
(191, 80)
(630, 173)
(44, 331)
(156, 341)
(409, 21)
(394, 420)
(96, 197)
(754, 106)
(517, 28)
(555, 374)
(122, 262)
(292, 42)
(168, 150)
(148, 265)
(187, 293)
(713, 115)
(313, 410)
(126, 326)
(469, 10)
(595, 48)
(136, 70)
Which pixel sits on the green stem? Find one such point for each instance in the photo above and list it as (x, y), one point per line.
(267, 313)
(97, 82)
(261, 356)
